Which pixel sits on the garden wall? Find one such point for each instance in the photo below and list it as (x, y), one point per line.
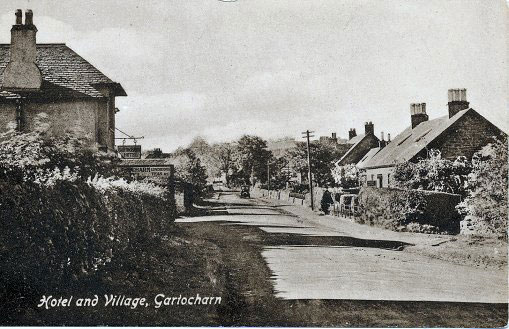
(416, 210)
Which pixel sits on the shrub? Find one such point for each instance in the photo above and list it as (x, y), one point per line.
(486, 203)
(433, 174)
(61, 219)
(396, 208)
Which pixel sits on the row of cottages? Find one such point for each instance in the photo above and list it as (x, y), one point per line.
(461, 132)
(53, 79)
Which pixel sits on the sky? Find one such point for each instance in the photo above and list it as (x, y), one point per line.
(221, 69)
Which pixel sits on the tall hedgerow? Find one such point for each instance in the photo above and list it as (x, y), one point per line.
(64, 213)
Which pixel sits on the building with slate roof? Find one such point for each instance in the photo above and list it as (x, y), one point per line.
(52, 78)
(462, 132)
(359, 145)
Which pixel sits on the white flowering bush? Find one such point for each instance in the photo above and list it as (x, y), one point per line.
(64, 210)
(434, 174)
(137, 187)
(486, 203)
(346, 176)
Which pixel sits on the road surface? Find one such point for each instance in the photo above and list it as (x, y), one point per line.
(308, 261)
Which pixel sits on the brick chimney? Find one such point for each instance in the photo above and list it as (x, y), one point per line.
(457, 101)
(21, 73)
(369, 128)
(418, 114)
(351, 133)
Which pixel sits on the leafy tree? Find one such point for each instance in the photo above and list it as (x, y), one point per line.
(223, 155)
(322, 161)
(188, 168)
(205, 152)
(251, 159)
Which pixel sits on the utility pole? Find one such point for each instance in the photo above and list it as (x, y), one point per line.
(307, 134)
(268, 178)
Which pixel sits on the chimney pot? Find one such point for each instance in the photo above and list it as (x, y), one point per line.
(21, 72)
(388, 137)
(19, 17)
(29, 17)
(418, 114)
(369, 128)
(351, 133)
(457, 101)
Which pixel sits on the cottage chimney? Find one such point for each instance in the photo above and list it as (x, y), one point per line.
(351, 133)
(388, 138)
(418, 114)
(457, 101)
(22, 73)
(369, 128)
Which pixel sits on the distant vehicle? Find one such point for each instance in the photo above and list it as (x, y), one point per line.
(244, 191)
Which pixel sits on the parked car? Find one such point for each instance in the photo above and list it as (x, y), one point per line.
(244, 191)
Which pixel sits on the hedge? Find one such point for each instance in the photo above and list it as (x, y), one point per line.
(55, 236)
(398, 209)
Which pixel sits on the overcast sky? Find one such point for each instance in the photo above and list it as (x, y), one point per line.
(276, 68)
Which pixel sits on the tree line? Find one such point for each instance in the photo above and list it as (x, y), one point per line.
(248, 161)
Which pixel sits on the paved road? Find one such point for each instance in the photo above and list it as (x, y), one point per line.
(313, 262)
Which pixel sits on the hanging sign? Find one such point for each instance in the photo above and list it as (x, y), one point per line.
(129, 151)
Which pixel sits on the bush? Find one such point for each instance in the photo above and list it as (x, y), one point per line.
(61, 219)
(433, 174)
(396, 209)
(486, 203)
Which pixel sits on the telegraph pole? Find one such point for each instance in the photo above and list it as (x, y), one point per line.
(268, 179)
(310, 178)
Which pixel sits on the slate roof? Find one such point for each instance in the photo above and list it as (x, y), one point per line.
(410, 142)
(354, 142)
(65, 74)
(366, 158)
(356, 139)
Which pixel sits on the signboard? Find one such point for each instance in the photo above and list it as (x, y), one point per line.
(371, 183)
(152, 171)
(155, 170)
(129, 151)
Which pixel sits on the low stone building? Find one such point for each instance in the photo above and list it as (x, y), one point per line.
(461, 132)
(358, 145)
(53, 79)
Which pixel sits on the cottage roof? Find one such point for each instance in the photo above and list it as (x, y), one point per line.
(356, 139)
(354, 142)
(410, 142)
(65, 74)
(366, 158)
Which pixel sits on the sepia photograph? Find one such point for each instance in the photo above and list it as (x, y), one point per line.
(254, 163)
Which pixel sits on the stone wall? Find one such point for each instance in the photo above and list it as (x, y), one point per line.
(466, 136)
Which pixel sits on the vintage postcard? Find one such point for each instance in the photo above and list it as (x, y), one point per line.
(293, 163)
